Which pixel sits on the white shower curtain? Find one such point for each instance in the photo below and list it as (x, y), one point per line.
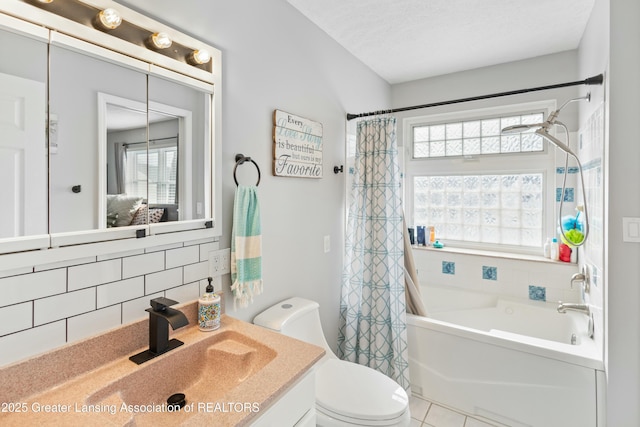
(372, 309)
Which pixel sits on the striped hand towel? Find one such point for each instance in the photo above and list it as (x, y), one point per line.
(246, 246)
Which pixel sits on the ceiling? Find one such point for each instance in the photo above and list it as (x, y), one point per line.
(404, 40)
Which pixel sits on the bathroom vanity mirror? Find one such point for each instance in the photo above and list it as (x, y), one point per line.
(118, 139)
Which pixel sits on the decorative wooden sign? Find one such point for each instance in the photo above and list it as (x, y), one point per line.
(297, 146)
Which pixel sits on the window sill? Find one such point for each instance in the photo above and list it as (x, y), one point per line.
(494, 254)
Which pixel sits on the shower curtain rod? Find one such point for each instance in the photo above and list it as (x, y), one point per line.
(595, 80)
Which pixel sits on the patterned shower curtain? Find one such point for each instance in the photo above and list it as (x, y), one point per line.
(372, 309)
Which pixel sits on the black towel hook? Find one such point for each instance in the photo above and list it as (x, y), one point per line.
(240, 159)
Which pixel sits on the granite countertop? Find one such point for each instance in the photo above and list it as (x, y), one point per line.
(93, 382)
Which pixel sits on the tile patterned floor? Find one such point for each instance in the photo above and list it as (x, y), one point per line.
(427, 414)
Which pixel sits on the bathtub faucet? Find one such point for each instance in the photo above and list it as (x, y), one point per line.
(582, 308)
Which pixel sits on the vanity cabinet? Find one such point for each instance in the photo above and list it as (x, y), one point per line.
(295, 408)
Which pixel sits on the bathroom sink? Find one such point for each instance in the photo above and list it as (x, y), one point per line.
(204, 372)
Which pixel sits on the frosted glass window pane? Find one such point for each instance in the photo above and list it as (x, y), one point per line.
(454, 183)
(491, 127)
(490, 234)
(510, 144)
(454, 147)
(466, 205)
(490, 182)
(437, 149)
(490, 217)
(436, 183)
(509, 121)
(471, 129)
(510, 236)
(471, 183)
(471, 233)
(437, 198)
(436, 133)
(531, 142)
(471, 146)
(421, 149)
(529, 119)
(471, 199)
(531, 200)
(471, 216)
(454, 199)
(421, 133)
(531, 237)
(510, 200)
(490, 200)
(454, 216)
(532, 219)
(510, 182)
(454, 231)
(454, 130)
(490, 145)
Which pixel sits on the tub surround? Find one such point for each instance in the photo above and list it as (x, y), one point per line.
(68, 377)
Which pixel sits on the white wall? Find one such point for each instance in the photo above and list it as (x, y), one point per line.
(612, 44)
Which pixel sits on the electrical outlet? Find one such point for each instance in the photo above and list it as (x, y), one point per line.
(219, 262)
(225, 261)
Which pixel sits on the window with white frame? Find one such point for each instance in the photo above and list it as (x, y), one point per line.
(477, 187)
(153, 175)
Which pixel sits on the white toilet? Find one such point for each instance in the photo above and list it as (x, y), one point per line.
(347, 394)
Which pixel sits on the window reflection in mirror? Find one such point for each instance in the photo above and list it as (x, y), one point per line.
(23, 149)
(76, 82)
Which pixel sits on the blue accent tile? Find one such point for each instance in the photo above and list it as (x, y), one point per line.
(448, 267)
(560, 170)
(573, 169)
(537, 293)
(489, 273)
(352, 170)
(569, 195)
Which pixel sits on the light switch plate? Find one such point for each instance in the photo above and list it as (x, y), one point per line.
(631, 230)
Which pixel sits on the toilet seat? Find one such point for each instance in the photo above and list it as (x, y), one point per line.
(360, 395)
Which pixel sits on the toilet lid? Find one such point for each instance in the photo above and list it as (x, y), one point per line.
(358, 392)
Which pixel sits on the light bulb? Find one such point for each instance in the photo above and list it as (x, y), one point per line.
(161, 40)
(109, 18)
(200, 56)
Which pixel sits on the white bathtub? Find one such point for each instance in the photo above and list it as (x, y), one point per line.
(505, 360)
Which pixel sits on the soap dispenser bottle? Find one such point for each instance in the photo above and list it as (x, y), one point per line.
(209, 309)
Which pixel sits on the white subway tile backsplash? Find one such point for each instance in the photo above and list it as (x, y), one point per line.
(157, 282)
(135, 309)
(58, 307)
(182, 256)
(120, 254)
(97, 273)
(16, 318)
(142, 264)
(123, 290)
(206, 248)
(16, 289)
(62, 264)
(94, 322)
(32, 341)
(184, 293)
(195, 272)
(46, 306)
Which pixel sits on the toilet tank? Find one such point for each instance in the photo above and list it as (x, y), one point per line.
(297, 318)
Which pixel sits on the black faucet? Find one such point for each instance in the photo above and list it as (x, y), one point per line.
(160, 317)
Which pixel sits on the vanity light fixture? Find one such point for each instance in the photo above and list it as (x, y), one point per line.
(45, 1)
(199, 57)
(109, 19)
(161, 40)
